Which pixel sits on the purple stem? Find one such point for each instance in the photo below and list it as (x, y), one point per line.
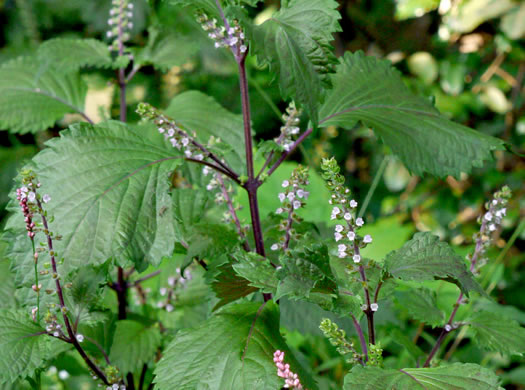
(362, 340)
(233, 213)
(72, 337)
(444, 332)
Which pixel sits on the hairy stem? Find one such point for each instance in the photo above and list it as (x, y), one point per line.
(362, 340)
(233, 213)
(72, 336)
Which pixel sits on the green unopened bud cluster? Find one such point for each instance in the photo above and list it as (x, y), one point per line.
(375, 355)
(337, 338)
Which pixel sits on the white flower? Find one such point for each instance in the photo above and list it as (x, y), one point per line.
(351, 236)
(46, 198)
(353, 204)
(56, 334)
(172, 280)
(342, 254)
(492, 227)
(187, 153)
(300, 193)
(206, 170)
(286, 183)
(336, 210)
(291, 196)
(279, 210)
(274, 247)
(341, 247)
(356, 258)
(115, 386)
(364, 307)
(339, 228)
(501, 213)
(374, 306)
(243, 48)
(24, 190)
(488, 216)
(171, 132)
(359, 222)
(367, 239)
(448, 328)
(80, 338)
(209, 187)
(338, 236)
(169, 308)
(296, 204)
(282, 197)
(163, 291)
(31, 196)
(63, 374)
(348, 216)
(185, 141)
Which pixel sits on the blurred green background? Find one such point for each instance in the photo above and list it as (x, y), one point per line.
(467, 56)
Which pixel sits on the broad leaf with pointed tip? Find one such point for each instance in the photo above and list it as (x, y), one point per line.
(72, 54)
(499, 334)
(109, 186)
(33, 96)
(454, 377)
(295, 42)
(232, 350)
(424, 257)
(371, 91)
(23, 347)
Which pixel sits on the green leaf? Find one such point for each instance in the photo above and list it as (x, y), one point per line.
(232, 350)
(406, 9)
(22, 350)
(68, 54)
(229, 286)
(302, 271)
(498, 333)
(421, 304)
(134, 345)
(34, 96)
(188, 108)
(189, 207)
(424, 257)
(257, 270)
(454, 377)
(165, 50)
(295, 42)
(371, 91)
(108, 184)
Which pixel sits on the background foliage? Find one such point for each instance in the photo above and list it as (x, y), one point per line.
(467, 57)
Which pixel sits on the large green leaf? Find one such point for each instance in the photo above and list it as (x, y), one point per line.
(134, 345)
(424, 257)
(109, 188)
(33, 96)
(257, 270)
(454, 377)
(371, 91)
(499, 334)
(421, 304)
(229, 286)
(188, 108)
(232, 350)
(295, 42)
(22, 349)
(72, 54)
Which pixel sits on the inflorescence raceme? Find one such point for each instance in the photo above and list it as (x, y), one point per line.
(120, 16)
(172, 132)
(490, 222)
(337, 338)
(290, 128)
(230, 36)
(292, 198)
(291, 380)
